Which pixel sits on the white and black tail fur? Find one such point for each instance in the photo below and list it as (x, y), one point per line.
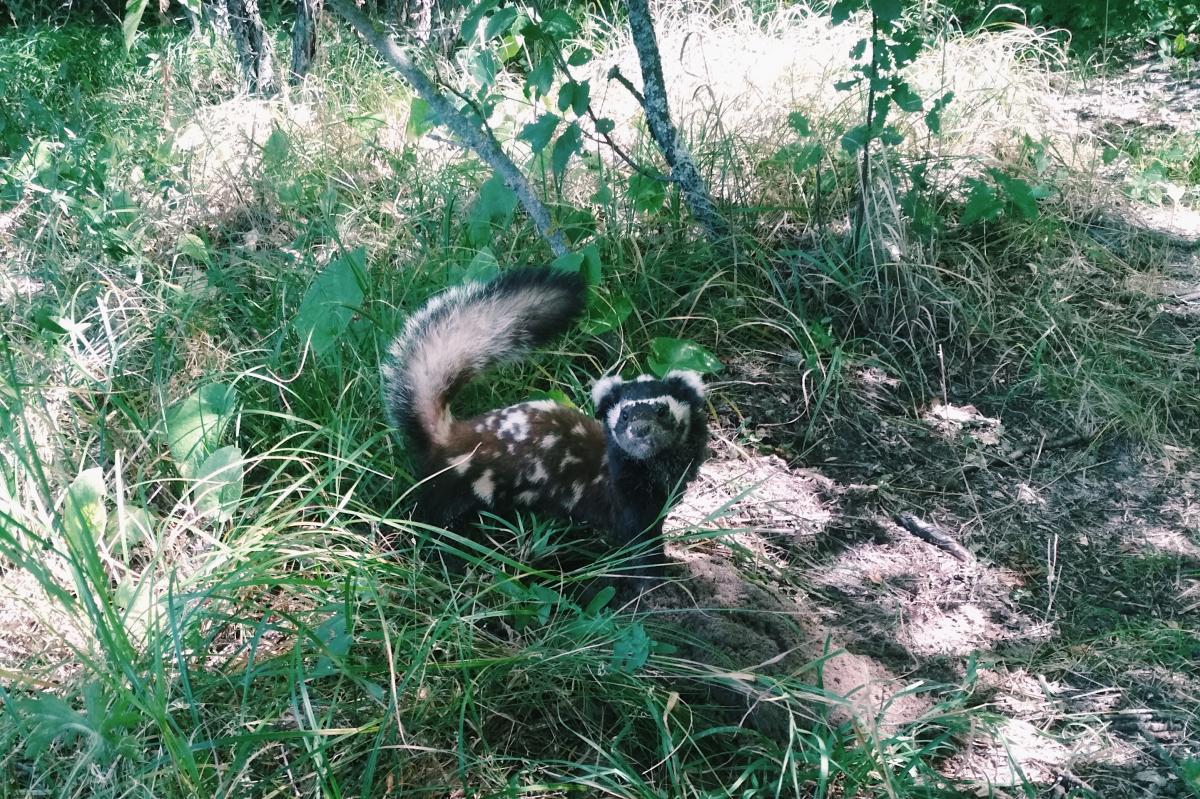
(463, 332)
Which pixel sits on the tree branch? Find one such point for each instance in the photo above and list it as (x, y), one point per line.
(658, 119)
(466, 130)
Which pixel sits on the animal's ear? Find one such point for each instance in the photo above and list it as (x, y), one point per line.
(605, 393)
(686, 380)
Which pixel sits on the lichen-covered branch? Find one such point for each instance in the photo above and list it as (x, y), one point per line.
(658, 119)
(469, 132)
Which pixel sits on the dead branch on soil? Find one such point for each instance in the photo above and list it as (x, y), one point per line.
(932, 535)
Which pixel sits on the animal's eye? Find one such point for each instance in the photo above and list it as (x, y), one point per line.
(662, 412)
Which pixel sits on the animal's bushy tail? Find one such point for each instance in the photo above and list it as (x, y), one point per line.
(465, 330)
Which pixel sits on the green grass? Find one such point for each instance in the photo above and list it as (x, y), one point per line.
(298, 637)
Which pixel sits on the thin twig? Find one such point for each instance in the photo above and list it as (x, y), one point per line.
(930, 534)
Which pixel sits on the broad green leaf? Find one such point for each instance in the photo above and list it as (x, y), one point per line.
(500, 22)
(420, 120)
(558, 24)
(331, 301)
(540, 78)
(568, 262)
(84, 515)
(604, 125)
(494, 206)
(842, 10)
(799, 123)
(277, 152)
(905, 97)
(678, 353)
(133, 18)
(129, 526)
(855, 139)
(566, 95)
(631, 650)
(886, 10)
(807, 156)
(579, 102)
(483, 68)
(592, 266)
(1018, 192)
(848, 84)
(470, 25)
(579, 56)
(539, 132)
(483, 267)
(606, 314)
(196, 425)
(981, 203)
(192, 246)
(567, 145)
(218, 484)
(859, 49)
(647, 193)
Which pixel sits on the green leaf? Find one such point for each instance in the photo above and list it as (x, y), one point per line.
(886, 10)
(592, 266)
(1018, 192)
(539, 132)
(905, 97)
(541, 77)
(196, 425)
(602, 598)
(84, 515)
(130, 526)
(558, 24)
(579, 104)
(192, 246)
(982, 204)
(567, 145)
(470, 25)
(859, 49)
(331, 301)
(604, 126)
(847, 85)
(420, 120)
(667, 354)
(606, 314)
(646, 192)
(277, 151)
(218, 484)
(192, 5)
(807, 156)
(890, 136)
(855, 139)
(842, 10)
(499, 22)
(579, 56)
(494, 207)
(133, 18)
(483, 267)
(799, 123)
(568, 262)
(631, 649)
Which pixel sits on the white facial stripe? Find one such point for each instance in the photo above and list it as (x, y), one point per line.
(602, 388)
(678, 409)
